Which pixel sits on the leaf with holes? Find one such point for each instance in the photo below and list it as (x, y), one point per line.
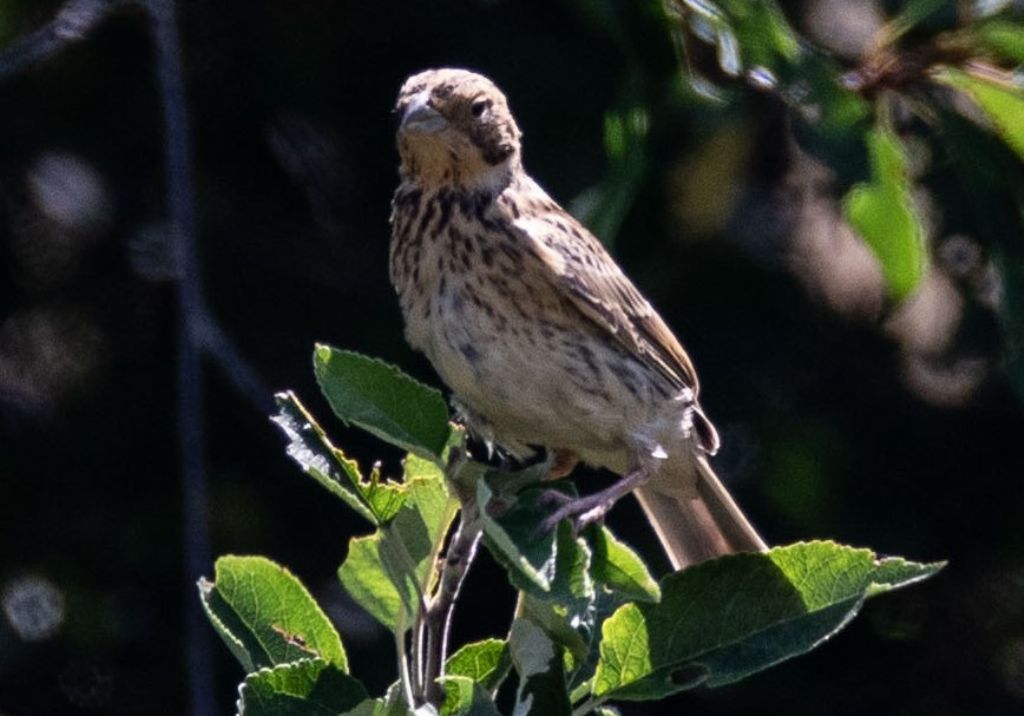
(375, 499)
(723, 620)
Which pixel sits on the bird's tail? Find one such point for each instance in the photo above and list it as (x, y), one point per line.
(694, 515)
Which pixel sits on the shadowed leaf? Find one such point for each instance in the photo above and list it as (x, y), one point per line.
(310, 687)
(384, 401)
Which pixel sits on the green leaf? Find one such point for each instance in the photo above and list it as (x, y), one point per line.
(723, 620)
(259, 606)
(387, 572)
(309, 687)
(367, 578)
(384, 401)
(539, 663)
(617, 566)
(570, 627)
(1004, 37)
(308, 445)
(764, 36)
(485, 662)
(883, 214)
(235, 645)
(1002, 102)
(464, 697)
(391, 704)
(551, 565)
(831, 109)
(603, 208)
(914, 13)
(557, 573)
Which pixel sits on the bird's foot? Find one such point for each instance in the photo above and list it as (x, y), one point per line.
(590, 509)
(581, 511)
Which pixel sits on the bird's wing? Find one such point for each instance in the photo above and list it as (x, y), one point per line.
(582, 270)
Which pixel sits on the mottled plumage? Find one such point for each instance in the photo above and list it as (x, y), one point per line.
(538, 333)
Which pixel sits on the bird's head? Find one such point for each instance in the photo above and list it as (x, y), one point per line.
(456, 128)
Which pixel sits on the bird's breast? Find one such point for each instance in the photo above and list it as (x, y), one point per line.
(480, 303)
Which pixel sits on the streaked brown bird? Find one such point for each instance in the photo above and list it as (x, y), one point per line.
(536, 330)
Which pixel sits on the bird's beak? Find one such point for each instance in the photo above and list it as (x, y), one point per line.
(419, 116)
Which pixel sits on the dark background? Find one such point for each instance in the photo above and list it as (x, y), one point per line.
(842, 416)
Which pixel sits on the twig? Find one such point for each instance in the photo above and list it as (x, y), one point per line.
(587, 706)
(403, 670)
(435, 620)
(73, 22)
(181, 214)
(461, 553)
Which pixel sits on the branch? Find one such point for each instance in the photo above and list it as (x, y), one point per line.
(461, 553)
(436, 618)
(72, 24)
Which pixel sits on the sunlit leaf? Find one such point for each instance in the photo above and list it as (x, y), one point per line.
(1002, 101)
(485, 662)
(883, 213)
(308, 445)
(388, 571)
(617, 566)
(723, 620)
(465, 697)
(266, 610)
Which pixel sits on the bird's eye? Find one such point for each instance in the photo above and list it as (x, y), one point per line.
(480, 107)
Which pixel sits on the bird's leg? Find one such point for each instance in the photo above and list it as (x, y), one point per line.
(589, 509)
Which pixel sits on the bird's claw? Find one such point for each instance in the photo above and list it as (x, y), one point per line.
(581, 511)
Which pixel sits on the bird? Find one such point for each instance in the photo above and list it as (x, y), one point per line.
(540, 336)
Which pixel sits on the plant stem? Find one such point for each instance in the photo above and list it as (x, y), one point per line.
(587, 706)
(403, 670)
(461, 553)
(435, 619)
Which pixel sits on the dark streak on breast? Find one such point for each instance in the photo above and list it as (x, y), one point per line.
(625, 376)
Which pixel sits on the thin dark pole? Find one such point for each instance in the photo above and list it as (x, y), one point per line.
(181, 216)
